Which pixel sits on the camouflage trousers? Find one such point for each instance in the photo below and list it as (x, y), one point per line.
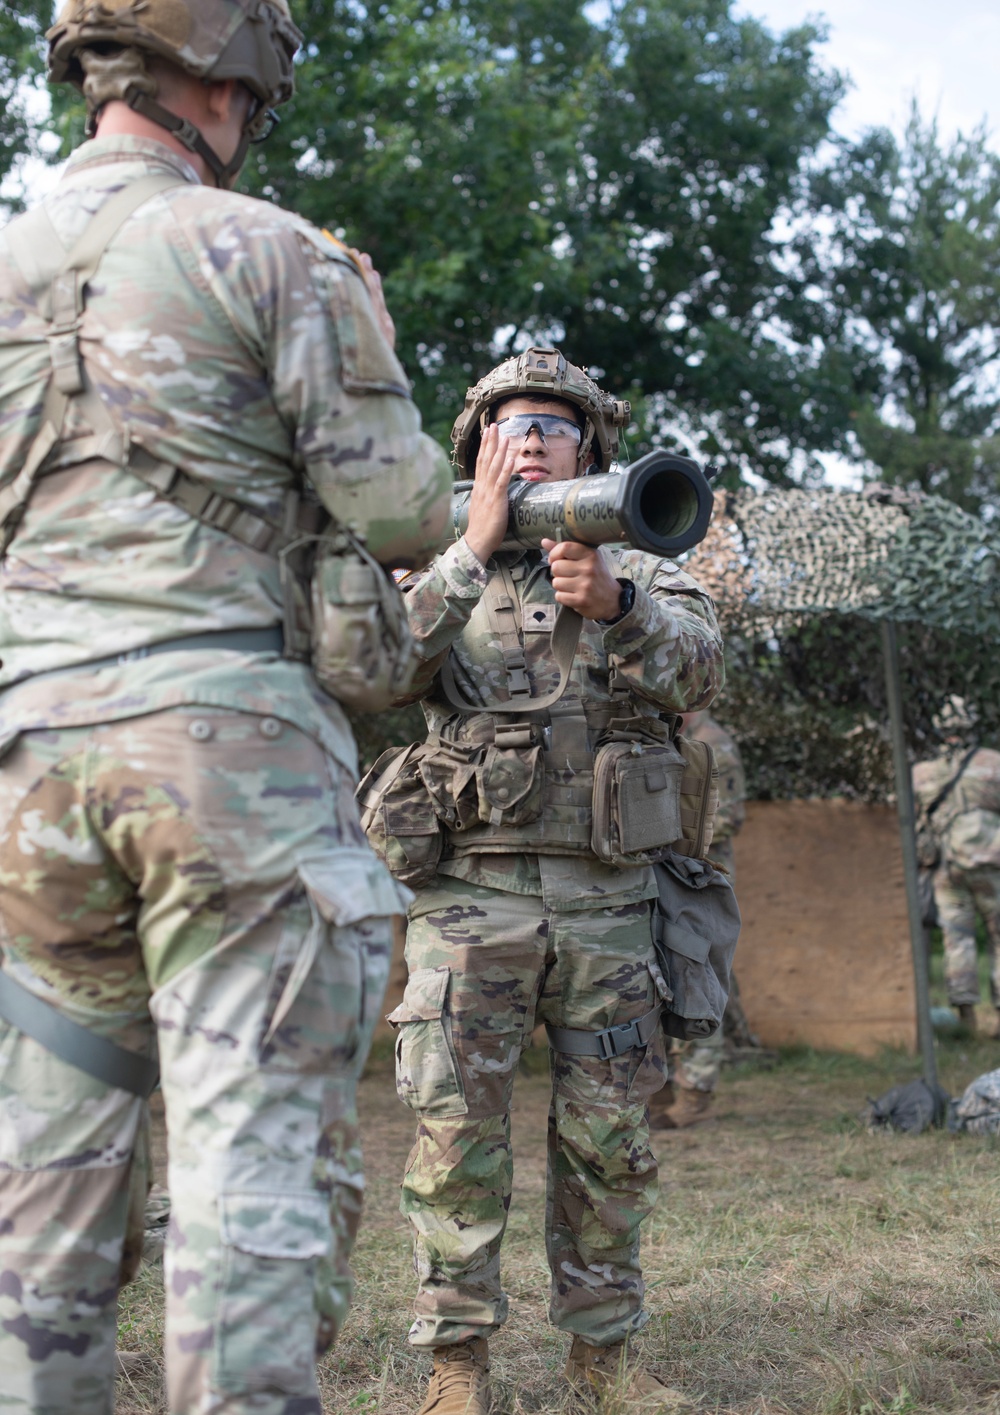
(484, 964)
(199, 874)
(695, 1066)
(961, 895)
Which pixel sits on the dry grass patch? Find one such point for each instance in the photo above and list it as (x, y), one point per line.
(796, 1264)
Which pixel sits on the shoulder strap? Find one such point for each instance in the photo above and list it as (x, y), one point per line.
(63, 307)
(61, 281)
(946, 790)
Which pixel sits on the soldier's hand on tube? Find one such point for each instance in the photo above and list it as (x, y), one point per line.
(582, 579)
(374, 282)
(488, 511)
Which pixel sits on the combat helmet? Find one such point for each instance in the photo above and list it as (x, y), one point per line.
(253, 41)
(545, 372)
(955, 717)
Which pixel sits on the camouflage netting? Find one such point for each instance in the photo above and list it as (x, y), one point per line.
(801, 580)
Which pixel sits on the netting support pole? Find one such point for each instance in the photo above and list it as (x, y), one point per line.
(908, 838)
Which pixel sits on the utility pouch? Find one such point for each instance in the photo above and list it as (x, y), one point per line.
(928, 846)
(699, 798)
(696, 925)
(398, 816)
(362, 650)
(509, 782)
(448, 770)
(636, 802)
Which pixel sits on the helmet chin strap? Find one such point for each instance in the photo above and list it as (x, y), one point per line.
(185, 132)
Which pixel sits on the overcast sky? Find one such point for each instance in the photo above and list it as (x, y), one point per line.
(945, 53)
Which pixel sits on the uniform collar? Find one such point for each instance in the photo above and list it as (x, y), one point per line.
(145, 152)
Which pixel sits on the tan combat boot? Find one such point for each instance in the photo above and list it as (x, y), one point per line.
(605, 1373)
(687, 1108)
(966, 1015)
(460, 1380)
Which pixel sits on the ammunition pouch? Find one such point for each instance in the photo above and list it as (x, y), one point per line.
(399, 817)
(361, 648)
(540, 788)
(696, 925)
(509, 785)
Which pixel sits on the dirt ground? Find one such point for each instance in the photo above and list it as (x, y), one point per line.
(796, 1263)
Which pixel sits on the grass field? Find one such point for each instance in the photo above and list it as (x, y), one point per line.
(795, 1262)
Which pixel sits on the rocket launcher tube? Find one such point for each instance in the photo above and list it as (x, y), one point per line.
(661, 504)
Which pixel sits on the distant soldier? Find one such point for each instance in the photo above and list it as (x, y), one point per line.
(695, 1066)
(958, 803)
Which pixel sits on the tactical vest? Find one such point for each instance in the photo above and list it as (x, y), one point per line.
(547, 775)
(341, 612)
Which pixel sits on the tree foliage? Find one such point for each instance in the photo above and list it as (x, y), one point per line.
(902, 254)
(521, 171)
(21, 25)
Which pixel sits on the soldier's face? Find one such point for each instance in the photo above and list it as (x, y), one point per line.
(537, 458)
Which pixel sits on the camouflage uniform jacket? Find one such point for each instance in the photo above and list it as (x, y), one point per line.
(667, 647)
(230, 339)
(732, 780)
(967, 822)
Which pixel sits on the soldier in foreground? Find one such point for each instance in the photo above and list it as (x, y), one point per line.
(191, 384)
(958, 807)
(518, 917)
(694, 1067)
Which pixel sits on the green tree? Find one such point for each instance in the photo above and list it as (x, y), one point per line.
(611, 179)
(20, 64)
(901, 268)
(523, 171)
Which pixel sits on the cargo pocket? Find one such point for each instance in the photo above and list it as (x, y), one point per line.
(267, 1317)
(427, 1078)
(327, 988)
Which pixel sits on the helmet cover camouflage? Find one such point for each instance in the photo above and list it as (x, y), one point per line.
(253, 41)
(955, 717)
(541, 372)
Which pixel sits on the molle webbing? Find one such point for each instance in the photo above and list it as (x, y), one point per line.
(59, 282)
(559, 725)
(564, 824)
(503, 607)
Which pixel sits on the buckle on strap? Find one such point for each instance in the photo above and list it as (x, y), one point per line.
(612, 1042)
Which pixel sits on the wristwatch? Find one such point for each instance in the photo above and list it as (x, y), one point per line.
(625, 602)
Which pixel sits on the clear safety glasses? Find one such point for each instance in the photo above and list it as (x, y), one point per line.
(552, 429)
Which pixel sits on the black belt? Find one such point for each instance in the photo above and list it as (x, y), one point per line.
(270, 640)
(614, 1041)
(77, 1046)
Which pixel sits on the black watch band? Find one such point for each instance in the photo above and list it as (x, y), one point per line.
(625, 602)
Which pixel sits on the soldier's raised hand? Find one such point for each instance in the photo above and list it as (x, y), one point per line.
(374, 282)
(488, 500)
